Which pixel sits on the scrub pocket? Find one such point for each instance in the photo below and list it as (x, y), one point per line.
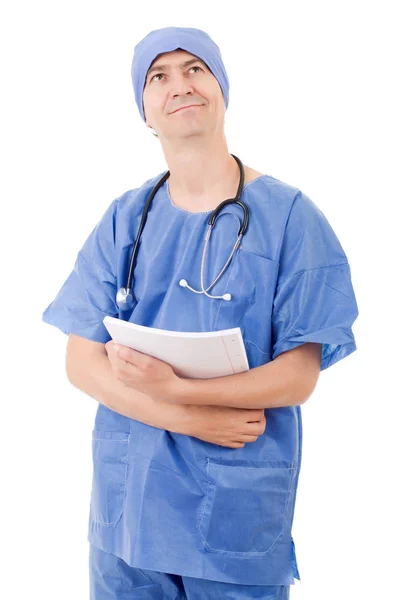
(110, 472)
(245, 505)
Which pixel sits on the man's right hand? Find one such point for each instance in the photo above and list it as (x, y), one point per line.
(227, 426)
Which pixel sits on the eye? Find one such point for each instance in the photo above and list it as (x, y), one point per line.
(158, 74)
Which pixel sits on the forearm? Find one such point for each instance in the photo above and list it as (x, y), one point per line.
(96, 378)
(286, 381)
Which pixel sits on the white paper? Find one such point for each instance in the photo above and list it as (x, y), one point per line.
(195, 355)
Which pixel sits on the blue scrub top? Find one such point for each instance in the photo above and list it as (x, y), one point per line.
(170, 502)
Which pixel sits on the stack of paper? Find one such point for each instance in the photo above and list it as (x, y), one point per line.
(195, 355)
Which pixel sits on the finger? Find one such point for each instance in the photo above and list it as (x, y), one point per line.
(109, 347)
(254, 417)
(255, 429)
(231, 444)
(112, 351)
(136, 358)
(247, 438)
(120, 367)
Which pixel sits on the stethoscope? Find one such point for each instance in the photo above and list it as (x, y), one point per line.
(124, 296)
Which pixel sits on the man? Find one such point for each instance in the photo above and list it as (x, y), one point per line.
(194, 481)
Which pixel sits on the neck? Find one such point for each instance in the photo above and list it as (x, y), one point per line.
(198, 174)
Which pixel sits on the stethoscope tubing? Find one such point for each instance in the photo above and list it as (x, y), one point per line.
(124, 296)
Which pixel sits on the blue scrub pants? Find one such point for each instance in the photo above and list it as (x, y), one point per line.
(112, 579)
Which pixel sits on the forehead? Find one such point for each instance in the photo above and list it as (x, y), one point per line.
(178, 57)
(173, 56)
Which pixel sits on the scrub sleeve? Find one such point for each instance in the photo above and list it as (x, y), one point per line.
(314, 298)
(88, 294)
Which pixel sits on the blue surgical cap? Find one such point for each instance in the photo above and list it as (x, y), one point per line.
(167, 39)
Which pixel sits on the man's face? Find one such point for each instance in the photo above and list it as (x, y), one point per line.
(175, 80)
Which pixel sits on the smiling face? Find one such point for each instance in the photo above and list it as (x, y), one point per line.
(181, 96)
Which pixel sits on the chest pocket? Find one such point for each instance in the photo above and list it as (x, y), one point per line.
(251, 281)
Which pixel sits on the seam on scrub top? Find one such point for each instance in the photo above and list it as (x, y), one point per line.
(313, 269)
(252, 253)
(295, 478)
(289, 496)
(205, 502)
(336, 290)
(286, 224)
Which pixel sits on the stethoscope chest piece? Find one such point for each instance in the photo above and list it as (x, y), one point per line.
(124, 299)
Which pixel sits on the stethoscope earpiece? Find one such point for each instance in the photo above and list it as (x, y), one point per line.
(125, 299)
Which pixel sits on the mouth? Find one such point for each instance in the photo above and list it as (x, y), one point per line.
(187, 106)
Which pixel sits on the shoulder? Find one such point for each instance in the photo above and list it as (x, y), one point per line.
(283, 196)
(271, 193)
(293, 220)
(303, 221)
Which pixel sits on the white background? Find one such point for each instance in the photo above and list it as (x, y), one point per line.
(313, 102)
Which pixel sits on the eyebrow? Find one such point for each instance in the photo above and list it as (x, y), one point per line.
(166, 67)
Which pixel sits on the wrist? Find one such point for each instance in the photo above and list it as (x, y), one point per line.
(181, 391)
(181, 419)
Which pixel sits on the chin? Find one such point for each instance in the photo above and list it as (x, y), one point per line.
(185, 130)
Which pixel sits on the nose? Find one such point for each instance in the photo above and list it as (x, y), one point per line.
(180, 85)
